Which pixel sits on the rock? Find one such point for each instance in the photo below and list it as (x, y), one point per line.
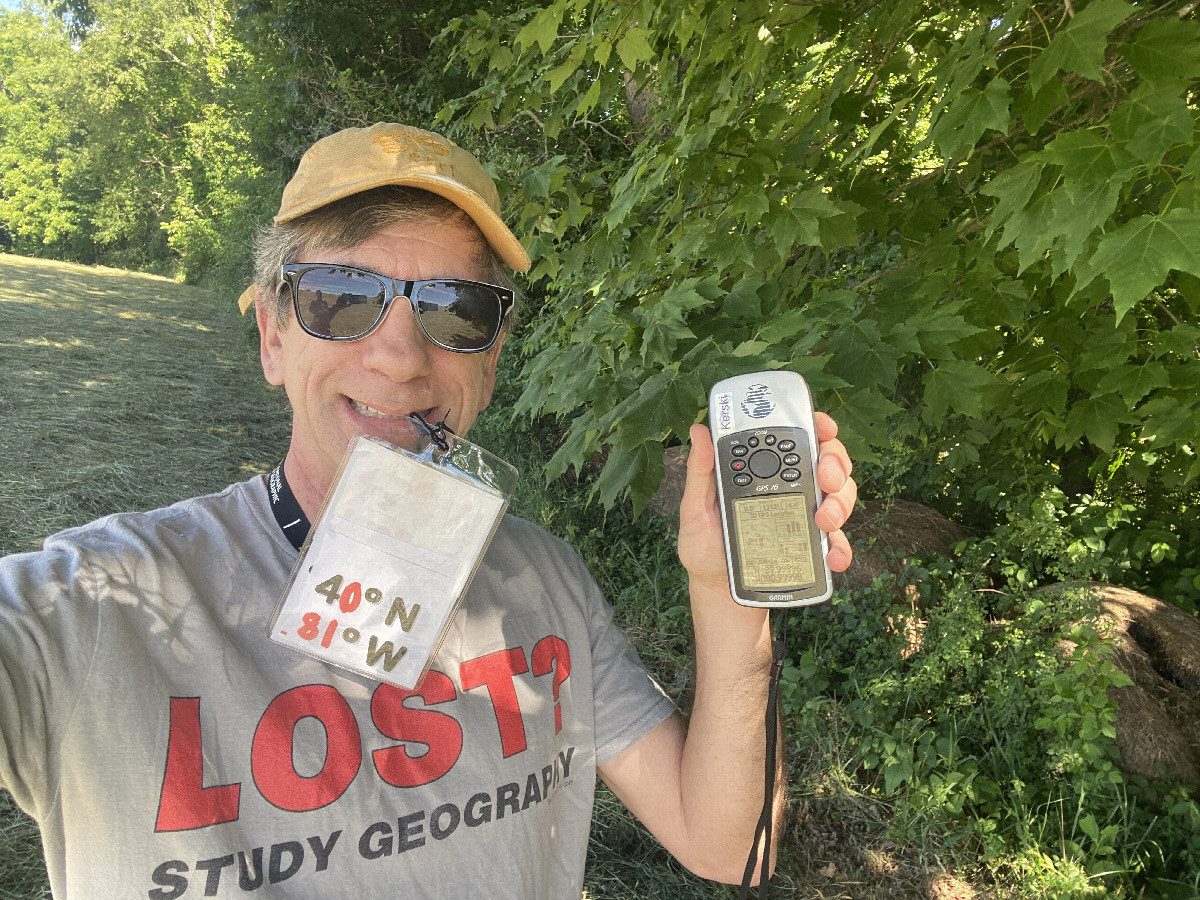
(884, 532)
(1158, 717)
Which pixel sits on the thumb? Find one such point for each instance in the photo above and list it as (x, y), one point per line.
(700, 487)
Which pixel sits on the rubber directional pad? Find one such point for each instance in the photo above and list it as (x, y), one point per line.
(764, 463)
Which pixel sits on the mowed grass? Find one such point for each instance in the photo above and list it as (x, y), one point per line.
(122, 391)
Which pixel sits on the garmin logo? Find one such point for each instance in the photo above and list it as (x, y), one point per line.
(758, 403)
(780, 598)
(725, 412)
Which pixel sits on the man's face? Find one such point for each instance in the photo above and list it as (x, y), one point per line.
(338, 388)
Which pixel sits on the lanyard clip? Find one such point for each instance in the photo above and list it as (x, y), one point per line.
(435, 433)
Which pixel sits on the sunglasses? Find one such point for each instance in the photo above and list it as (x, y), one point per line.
(344, 303)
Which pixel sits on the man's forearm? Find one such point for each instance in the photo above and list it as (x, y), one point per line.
(724, 755)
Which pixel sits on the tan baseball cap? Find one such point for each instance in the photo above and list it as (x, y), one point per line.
(359, 159)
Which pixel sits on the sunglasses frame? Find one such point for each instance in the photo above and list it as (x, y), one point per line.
(393, 288)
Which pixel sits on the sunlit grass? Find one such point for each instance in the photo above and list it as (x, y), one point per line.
(122, 391)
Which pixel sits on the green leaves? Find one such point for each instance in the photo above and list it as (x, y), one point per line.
(1152, 121)
(542, 29)
(1097, 419)
(1137, 257)
(798, 221)
(1165, 50)
(1086, 154)
(634, 48)
(666, 404)
(137, 134)
(970, 116)
(1080, 47)
(860, 354)
(957, 386)
(913, 209)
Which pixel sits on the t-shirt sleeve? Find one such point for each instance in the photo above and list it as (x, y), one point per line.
(47, 640)
(628, 701)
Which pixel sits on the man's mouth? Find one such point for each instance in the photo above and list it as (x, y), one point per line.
(371, 412)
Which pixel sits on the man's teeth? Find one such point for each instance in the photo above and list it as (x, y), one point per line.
(371, 411)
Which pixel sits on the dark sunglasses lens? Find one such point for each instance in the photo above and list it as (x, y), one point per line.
(339, 303)
(459, 315)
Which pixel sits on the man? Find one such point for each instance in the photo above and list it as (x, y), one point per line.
(169, 749)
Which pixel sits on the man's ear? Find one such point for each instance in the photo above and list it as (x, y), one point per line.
(270, 340)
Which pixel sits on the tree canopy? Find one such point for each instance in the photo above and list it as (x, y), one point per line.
(124, 135)
(974, 228)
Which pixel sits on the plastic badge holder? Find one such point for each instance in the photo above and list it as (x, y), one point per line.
(394, 549)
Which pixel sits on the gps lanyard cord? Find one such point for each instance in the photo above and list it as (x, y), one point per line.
(767, 818)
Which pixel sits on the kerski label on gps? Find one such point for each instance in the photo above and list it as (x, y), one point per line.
(393, 552)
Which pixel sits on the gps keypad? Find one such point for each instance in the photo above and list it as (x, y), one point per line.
(764, 456)
(764, 463)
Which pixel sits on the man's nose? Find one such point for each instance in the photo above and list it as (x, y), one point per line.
(398, 348)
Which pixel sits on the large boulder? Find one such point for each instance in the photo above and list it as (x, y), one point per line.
(885, 532)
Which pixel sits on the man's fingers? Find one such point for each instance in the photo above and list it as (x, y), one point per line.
(833, 466)
(837, 506)
(840, 490)
(840, 555)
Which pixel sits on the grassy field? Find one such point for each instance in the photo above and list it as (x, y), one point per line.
(120, 391)
(978, 764)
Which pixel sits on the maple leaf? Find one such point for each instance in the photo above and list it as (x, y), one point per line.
(971, 114)
(957, 385)
(1137, 257)
(1165, 50)
(1152, 121)
(1079, 48)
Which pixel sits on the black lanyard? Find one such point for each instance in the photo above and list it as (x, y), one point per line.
(766, 818)
(291, 518)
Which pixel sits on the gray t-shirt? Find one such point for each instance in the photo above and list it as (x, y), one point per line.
(169, 749)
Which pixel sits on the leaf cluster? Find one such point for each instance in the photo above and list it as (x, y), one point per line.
(988, 735)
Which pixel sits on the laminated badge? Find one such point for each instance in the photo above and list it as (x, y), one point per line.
(392, 554)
